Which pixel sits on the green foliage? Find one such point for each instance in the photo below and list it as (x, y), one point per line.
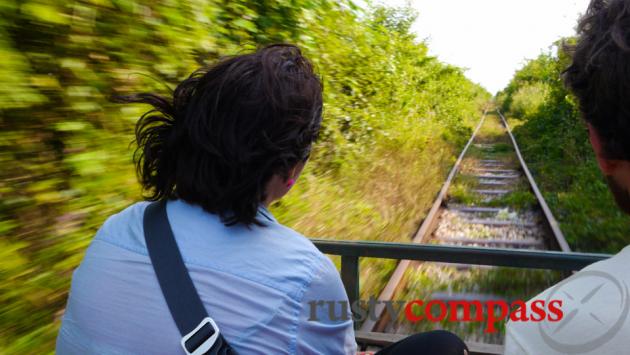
(521, 199)
(528, 99)
(394, 118)
(555, 145)
(461, 193)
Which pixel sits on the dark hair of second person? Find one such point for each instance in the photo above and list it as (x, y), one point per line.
(599, 77)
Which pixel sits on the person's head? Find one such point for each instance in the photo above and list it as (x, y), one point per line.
(234, 135)
(599, 76)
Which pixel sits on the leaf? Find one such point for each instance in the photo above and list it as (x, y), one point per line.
(46, 13)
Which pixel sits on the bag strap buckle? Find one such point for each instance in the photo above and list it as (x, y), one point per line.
(201, 339)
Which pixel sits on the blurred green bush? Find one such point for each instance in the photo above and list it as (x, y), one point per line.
(394, 118)
(554, 142)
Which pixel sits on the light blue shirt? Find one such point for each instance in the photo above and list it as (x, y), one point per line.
(258, 284)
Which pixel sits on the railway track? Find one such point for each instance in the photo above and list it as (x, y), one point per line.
(489, 199)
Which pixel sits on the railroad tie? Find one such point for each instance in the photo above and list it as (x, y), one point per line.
(474, 209)
(491, 192)
(496, 176)
(515, 243)
(492, 182)
(490, 170)
(495, 166)
(500, 222)
(465, 267)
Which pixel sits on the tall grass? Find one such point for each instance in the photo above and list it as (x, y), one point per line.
(394, 118)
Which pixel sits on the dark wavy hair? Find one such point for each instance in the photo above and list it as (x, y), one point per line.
(599, 75)
(228, 129)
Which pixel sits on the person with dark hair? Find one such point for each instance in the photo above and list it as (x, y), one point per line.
(595, 300)
(233, 138)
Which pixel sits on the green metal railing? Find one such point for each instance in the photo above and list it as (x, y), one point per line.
(351, 251)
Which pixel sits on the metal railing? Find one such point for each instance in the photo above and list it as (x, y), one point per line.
(351, 251)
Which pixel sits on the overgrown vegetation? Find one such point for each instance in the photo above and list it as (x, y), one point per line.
(554, 142)
(394, 120)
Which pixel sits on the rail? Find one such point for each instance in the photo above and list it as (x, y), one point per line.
(430, 221)
(421, 235)
(550, 220)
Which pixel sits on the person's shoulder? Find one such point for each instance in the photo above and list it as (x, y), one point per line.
(291, 247)
(592, 299)
(298, 243)
(621, 259)
(325, 281)
(125, 228)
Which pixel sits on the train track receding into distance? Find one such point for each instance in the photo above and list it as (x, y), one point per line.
(489, 200)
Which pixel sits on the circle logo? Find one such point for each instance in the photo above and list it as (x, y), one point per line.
(589, 297)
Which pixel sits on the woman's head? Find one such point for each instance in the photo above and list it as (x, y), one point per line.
(232, 133)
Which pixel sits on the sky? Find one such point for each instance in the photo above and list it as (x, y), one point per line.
(492, 38)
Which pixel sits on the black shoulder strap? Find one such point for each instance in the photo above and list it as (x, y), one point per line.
(200, 334)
